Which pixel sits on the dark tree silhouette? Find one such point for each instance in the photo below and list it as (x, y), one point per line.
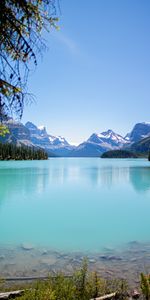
(13, 152)
(21, 25)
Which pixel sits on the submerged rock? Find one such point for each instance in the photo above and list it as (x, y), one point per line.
(134, 244)
(92, 260)
(110, 257)
(27, 247)
(44, 252)
(2, 257)
(48, 261)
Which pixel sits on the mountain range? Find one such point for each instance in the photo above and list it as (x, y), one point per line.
(138, 140)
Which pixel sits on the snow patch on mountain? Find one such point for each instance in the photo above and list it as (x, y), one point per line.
(55, 144)
(37, 136)
(139, 131)
(108, 137)
(41, 127)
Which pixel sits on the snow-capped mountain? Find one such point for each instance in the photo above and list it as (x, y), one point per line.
(39, 137)
(58, 140)
(32, 135)
(88, 149)
(18, 134)
(139, 131)
(109, 137)
(100, 143)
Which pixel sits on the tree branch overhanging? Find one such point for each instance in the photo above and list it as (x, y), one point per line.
(21, 25)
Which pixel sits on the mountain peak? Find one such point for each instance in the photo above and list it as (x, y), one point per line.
(30, 125)
(146, 123)
(139, 131)
(107, 138)
(31, 135)
(109, 132)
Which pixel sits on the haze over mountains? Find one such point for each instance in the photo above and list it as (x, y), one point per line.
(31, 135)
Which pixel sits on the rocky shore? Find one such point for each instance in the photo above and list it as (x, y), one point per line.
(29, 261)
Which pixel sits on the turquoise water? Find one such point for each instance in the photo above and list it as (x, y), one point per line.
(74, 203)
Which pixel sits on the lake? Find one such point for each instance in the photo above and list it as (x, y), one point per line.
(74, 204)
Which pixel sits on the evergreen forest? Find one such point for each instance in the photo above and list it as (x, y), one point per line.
(13, 152)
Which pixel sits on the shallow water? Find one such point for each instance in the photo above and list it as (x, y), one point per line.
(74, 204)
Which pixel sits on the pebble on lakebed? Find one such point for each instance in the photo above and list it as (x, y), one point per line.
(27, 247)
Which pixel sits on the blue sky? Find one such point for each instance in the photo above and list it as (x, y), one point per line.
(95, 74)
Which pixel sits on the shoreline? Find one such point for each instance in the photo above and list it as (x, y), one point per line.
(27, 261)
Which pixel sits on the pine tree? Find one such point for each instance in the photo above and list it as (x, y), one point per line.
(12, 152)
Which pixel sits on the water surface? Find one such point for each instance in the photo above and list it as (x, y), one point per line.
(74, 204)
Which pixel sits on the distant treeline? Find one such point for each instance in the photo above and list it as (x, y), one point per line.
(119, 154)
(13, 152)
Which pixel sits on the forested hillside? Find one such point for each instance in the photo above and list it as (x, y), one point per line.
(119, 154)
(13, 152)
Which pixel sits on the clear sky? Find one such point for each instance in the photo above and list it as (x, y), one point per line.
(96, 72)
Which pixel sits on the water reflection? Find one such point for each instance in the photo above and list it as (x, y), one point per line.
(36, 180)
(140, 178)
(52, 202)
(106, 176)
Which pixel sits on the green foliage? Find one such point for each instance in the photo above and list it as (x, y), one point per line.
(21, 25)
(64, 288)
(41, 291)
(120, 286)
(81, 285)
(13, 152)
(80, 280)
(96, 285)
(145, 286)
(3, 130)
(2, 281)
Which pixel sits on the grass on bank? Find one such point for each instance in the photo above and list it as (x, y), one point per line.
(82, 285)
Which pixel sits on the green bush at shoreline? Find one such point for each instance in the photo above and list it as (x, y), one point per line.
(82, 285)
